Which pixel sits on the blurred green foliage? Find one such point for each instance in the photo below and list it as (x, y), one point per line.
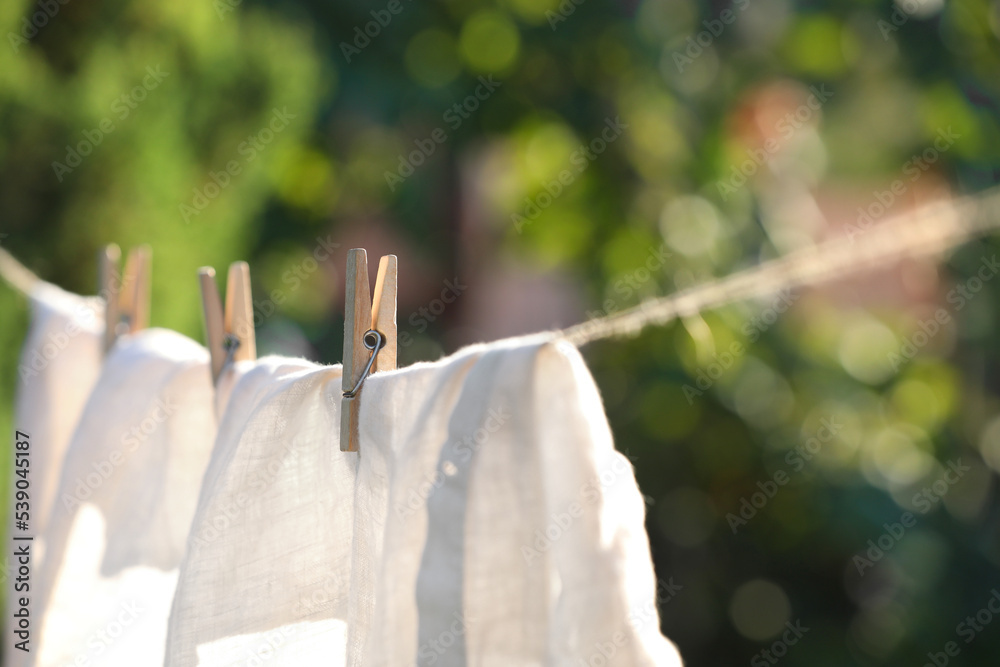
(364, 86)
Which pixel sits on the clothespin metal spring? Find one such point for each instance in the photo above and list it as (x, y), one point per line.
(374, 341)
(231, 343)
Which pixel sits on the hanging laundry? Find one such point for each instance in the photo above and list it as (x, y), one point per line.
(124, 505)
(268, 558)
(486, 519)
(59, 365)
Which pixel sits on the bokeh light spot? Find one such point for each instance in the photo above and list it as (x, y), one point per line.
(547, 152)
(431, 59)
(691, 225)
(761, 396)
(490, 42)
(819, 45)
(759, 609)
(989, 444)
(865, 349)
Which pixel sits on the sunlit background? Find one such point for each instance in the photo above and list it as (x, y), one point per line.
(534, 163)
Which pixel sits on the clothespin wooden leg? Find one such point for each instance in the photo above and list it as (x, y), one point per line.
(239, 311)
(140, 260)
(357, 320)
(126, 296)
(236, 322)
(384, 313)
(110, 286)
(214, 325)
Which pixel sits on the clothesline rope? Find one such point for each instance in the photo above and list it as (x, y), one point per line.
(15, 273)
(930, 229)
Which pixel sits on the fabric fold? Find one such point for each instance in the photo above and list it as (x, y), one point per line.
(269, 546)
(487, 520)
(60, 362)
(125, 499)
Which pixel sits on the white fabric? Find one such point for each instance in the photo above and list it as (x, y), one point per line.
(124, 505)
(60, 362)
(487, 521)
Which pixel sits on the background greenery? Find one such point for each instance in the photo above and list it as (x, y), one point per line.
(564, 72)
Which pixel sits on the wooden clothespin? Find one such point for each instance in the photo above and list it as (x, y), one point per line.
(369, 335)
(230, 336)
(126, 295)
